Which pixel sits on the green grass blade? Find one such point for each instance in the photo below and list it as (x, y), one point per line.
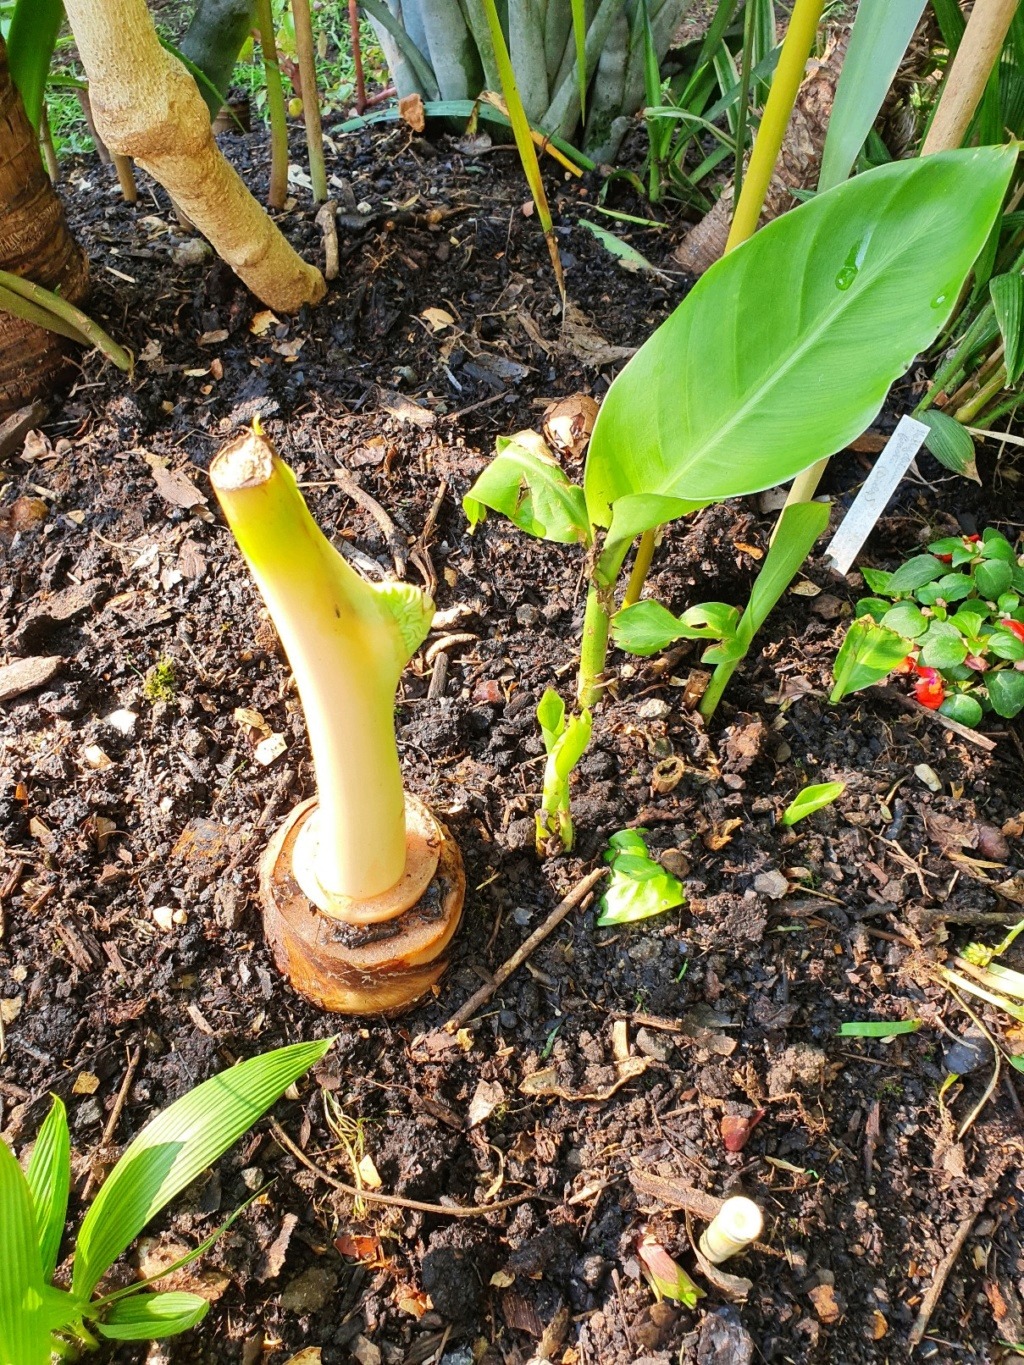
(49, 1179)
(951, 23)
(24, 1334)
(521, 133)
(1008, 300)
(763, 40)
(716, 32)
(880, 36)
(885, 1028)
(178, 1145)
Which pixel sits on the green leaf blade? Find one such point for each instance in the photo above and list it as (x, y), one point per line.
(891, 1028)
(49, 1179)
(24, 1332)
(737, 391)
(149, 1317)
(525, 483)
(812, 798)
(1007, 293)
(178, 1145)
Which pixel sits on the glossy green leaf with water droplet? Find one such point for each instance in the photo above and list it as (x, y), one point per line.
(784, 351)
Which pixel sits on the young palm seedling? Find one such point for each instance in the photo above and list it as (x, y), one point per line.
(362, 886)
(37, 1318)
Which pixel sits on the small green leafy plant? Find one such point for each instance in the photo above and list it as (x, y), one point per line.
(37, 1318)
(565, 742)
(639, 887)
(814, 797)
(954, 619)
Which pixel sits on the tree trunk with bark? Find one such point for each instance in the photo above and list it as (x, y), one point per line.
(146, 106)
(36, 244)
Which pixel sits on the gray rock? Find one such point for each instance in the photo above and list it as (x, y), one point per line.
(724, 1340)
(309, 1292)
(653, 709)
(656, 1045)
(970, 1053)
(772, 884)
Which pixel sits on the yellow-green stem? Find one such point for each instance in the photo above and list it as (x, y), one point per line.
(641, 567)
(803, 26)
(346, 649)
(985, 394)
(594, 647)
(278, 191)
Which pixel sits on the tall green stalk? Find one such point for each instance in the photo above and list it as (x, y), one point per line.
(278, 191)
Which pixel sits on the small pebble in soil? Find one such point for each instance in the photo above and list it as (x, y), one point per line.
(772, 884)
(655, 1045)
(724, 1340)
(969, 1053)
(653, 709)
(123, 721)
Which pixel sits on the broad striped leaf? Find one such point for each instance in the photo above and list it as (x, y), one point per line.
(950, 443)
(1008, 300)
(148, 1317)
(785, 349)
(178, 1145)
(24, 1335)
(49, 1179)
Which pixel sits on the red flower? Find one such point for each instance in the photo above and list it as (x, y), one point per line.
(1015, 627)
(907, 666)
(972, 540)
(946, 559)
(929, 690)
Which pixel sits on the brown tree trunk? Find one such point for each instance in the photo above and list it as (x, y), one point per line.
(34, 243)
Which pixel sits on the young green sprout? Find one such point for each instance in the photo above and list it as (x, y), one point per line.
(362, 886)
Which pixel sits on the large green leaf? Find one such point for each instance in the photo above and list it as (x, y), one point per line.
(784, 351)
(178, 1145)
(49, 1179)
(24, 1332)
(148, 1317)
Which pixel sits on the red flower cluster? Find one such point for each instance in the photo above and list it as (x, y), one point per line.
(1015, 627)
(968, 540)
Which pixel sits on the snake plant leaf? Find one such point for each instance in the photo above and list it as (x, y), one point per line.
(178, 1145)
(526, 483)
(49, 1179)
(784, 351)
(148, 1317)
(24, 1326)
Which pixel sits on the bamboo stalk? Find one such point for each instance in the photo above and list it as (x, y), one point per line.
(126, 177)
(305, 50)
(967, 77)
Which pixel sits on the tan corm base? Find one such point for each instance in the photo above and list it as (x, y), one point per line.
(359, 968)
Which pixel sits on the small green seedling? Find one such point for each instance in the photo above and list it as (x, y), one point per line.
(37, 1318)
(161, 681)
(812, 798)
(565, 742)
(639, 886)
(666, 1277)
(954, 619)
(884, 1028)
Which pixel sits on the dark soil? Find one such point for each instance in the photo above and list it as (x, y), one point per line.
(129, 919)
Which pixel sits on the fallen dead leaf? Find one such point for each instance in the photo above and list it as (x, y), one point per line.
(546, 1082)
(309, 1355)
(437, 319)
(879, 1326)
(721, 834)
(486, 1098)
(568, 424)
(214, 338)
(368, 1173)
(823, 1296)
(94, 757)
(501, 1279)
(251, 720)
(410, 108)
(262, 322)
(85, 1084)
(409, 1299)
(174, 486)
(359, 1248)
(11, 1008)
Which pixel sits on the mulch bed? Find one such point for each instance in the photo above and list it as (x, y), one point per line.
(134, 808)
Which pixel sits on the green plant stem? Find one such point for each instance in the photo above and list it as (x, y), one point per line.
(305, 50)
(985, 394)
(1009, 404)
(594, 648)
(278, 191)
(76, 324)
(641, 567)
(743, 107)
(803, 26)
(720, 680)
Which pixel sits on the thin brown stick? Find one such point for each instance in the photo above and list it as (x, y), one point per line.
(931, 1299)
(569, 902)
(396, 1201)
(964, 731)
(328, 225)
(358, 494)
(110, 1127)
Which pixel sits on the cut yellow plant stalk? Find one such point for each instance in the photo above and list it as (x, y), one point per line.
(362, 887)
